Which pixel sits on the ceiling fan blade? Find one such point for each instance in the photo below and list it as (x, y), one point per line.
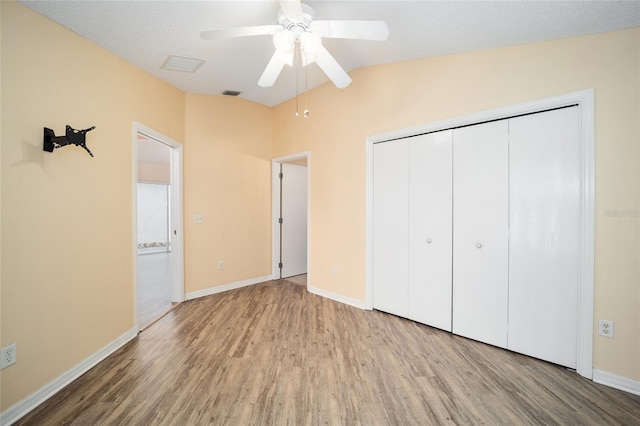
(292, 9)
(272, 71)
(332, 68)
(361, 30)
(240, 32)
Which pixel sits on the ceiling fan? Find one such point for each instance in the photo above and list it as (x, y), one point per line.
(298, 40)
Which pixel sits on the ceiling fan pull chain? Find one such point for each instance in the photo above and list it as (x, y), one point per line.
(296, 61)
(305, 113)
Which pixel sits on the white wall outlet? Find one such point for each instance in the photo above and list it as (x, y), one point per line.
(334, 270)
(198, 218)
(606, 328)
(221, 264)
(7, 356)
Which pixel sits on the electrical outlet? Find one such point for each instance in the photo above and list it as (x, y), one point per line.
(221, 264)
(606, 328)
(7, 356)
(334, 270)
(198, 218)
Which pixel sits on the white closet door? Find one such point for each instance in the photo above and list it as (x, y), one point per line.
(480, 232)
(390, 227)
(545, 235)
(430, 211)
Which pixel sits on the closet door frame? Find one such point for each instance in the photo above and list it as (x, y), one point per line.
(585, 101)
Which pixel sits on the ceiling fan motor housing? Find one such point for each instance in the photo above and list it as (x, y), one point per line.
(297, 24)
(296, 34)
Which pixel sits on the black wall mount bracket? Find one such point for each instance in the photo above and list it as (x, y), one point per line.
(71, 137)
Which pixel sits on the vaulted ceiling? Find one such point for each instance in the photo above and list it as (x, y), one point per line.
(146, 33)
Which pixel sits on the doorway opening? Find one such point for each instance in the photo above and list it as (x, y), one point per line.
(157, 225)
(290, 213)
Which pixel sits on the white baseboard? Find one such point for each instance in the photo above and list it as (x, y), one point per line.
(22, 408)
(226, 287)
(337, 297)
(615, 381)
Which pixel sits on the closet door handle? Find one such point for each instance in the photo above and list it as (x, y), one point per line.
(478, 245)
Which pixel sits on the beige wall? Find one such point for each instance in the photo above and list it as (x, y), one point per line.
(227, 180)
(401, 95)
(67, 241)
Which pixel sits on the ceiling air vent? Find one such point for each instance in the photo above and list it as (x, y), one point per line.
(231, 93)
(182, 64)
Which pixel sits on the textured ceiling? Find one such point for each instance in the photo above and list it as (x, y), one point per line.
(145, 33)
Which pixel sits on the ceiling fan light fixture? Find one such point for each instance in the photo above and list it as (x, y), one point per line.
(310, 43)
(284, 41)
(287, 58)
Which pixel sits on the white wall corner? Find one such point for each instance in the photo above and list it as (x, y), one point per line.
(226, 287)
(22, 408)
(337, 297)
(617, 382)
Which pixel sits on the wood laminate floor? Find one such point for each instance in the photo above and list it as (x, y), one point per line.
(275, 354)
(298, 279)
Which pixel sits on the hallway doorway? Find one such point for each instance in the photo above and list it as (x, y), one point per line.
(159, 263)
(290, 215)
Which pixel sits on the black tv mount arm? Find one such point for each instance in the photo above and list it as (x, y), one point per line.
(72, 136)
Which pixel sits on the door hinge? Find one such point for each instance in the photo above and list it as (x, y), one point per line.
(280, 265)
(281, 175)
(280, 221)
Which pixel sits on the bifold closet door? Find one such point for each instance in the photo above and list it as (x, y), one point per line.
(480, 232)
(391, 227)
(430, 210)
(545, 235)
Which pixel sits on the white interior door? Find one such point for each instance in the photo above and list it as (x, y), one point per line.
(545, 235)
(430, 217)
(391, 227)
(293, 242)
(480, 232)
